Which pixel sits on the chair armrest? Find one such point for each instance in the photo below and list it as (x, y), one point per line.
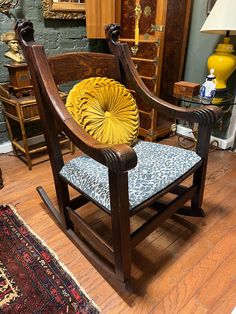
(205, 115)
(117, 157)
(208, 114)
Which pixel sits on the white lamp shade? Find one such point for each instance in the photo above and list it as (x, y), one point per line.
(222, 18)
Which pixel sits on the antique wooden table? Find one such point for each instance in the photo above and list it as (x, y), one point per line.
(20, 112)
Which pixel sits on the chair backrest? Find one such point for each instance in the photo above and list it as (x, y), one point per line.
(76, 66)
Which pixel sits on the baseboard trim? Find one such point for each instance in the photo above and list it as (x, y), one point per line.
(6, 147)
(223, 143)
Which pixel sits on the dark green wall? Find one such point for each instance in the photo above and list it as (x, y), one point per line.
(201, 46)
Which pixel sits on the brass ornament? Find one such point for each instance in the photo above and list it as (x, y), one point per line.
(134, 49)
(158, 42)
(146, 36)
(157, 28)
(147, 11)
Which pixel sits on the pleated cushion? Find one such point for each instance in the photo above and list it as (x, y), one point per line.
(105, 109)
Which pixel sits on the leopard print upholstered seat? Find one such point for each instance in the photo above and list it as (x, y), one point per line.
(158, 166)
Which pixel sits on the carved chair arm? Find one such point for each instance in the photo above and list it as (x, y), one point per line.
(117, 157)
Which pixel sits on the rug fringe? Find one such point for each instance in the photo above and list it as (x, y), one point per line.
(63, 266)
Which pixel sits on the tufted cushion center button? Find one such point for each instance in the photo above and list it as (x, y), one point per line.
(107, 114)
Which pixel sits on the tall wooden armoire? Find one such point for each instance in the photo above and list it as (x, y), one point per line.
(160, 52)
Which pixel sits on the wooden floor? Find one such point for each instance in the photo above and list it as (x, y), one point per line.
(187, 266)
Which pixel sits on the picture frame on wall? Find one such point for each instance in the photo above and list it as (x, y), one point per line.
(210, 5)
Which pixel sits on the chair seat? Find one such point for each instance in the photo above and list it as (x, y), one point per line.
(158, 166)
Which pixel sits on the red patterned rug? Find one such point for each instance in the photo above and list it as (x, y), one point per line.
(32, 280)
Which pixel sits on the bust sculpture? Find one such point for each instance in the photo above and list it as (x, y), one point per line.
(13, 52)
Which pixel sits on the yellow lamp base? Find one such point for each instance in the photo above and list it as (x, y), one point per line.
(223, 62)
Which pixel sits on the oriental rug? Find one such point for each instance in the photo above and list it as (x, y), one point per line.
(32, 279)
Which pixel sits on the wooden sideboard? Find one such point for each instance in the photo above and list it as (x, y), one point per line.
(163, 33)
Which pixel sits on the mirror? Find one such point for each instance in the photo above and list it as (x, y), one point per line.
(63, 9)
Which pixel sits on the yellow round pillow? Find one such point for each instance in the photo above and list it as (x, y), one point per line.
(105, 109)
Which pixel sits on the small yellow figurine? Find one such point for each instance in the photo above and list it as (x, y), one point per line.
(14, 50)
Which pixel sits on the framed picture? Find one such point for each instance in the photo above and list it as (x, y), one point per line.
(210, 5)
(63, 9)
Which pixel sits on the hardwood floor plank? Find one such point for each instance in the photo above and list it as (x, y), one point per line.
(194, 306)
(188, 250)
(176, 270)
(198, 275)
(219, 283)
(226, 303)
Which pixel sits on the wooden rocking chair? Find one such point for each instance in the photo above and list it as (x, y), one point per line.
(121, 180)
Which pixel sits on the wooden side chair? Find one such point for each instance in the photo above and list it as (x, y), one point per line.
(118, 178)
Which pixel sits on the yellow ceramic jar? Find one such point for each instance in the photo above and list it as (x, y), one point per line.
(223, 62)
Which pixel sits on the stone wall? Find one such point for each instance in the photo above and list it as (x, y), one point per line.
(56, 36)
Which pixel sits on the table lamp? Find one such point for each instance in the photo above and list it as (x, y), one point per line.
(222, 20)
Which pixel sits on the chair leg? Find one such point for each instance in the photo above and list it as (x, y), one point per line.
(196, 202)
(204, 134)
(120, 226)
(122, 250)
(63, 200)
(56, 159)
(190, 211)
(61, 216)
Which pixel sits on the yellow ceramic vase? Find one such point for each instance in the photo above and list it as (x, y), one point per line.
(223, 62)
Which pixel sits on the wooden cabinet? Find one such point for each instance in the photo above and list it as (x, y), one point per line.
(100, 13)
(163, 32)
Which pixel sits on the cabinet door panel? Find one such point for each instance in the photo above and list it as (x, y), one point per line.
(147, 50)
(151, 84)
(148, 16)
(99, 13)
(143, 106)
(127, 18)
(146, 68)
(145, 121)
